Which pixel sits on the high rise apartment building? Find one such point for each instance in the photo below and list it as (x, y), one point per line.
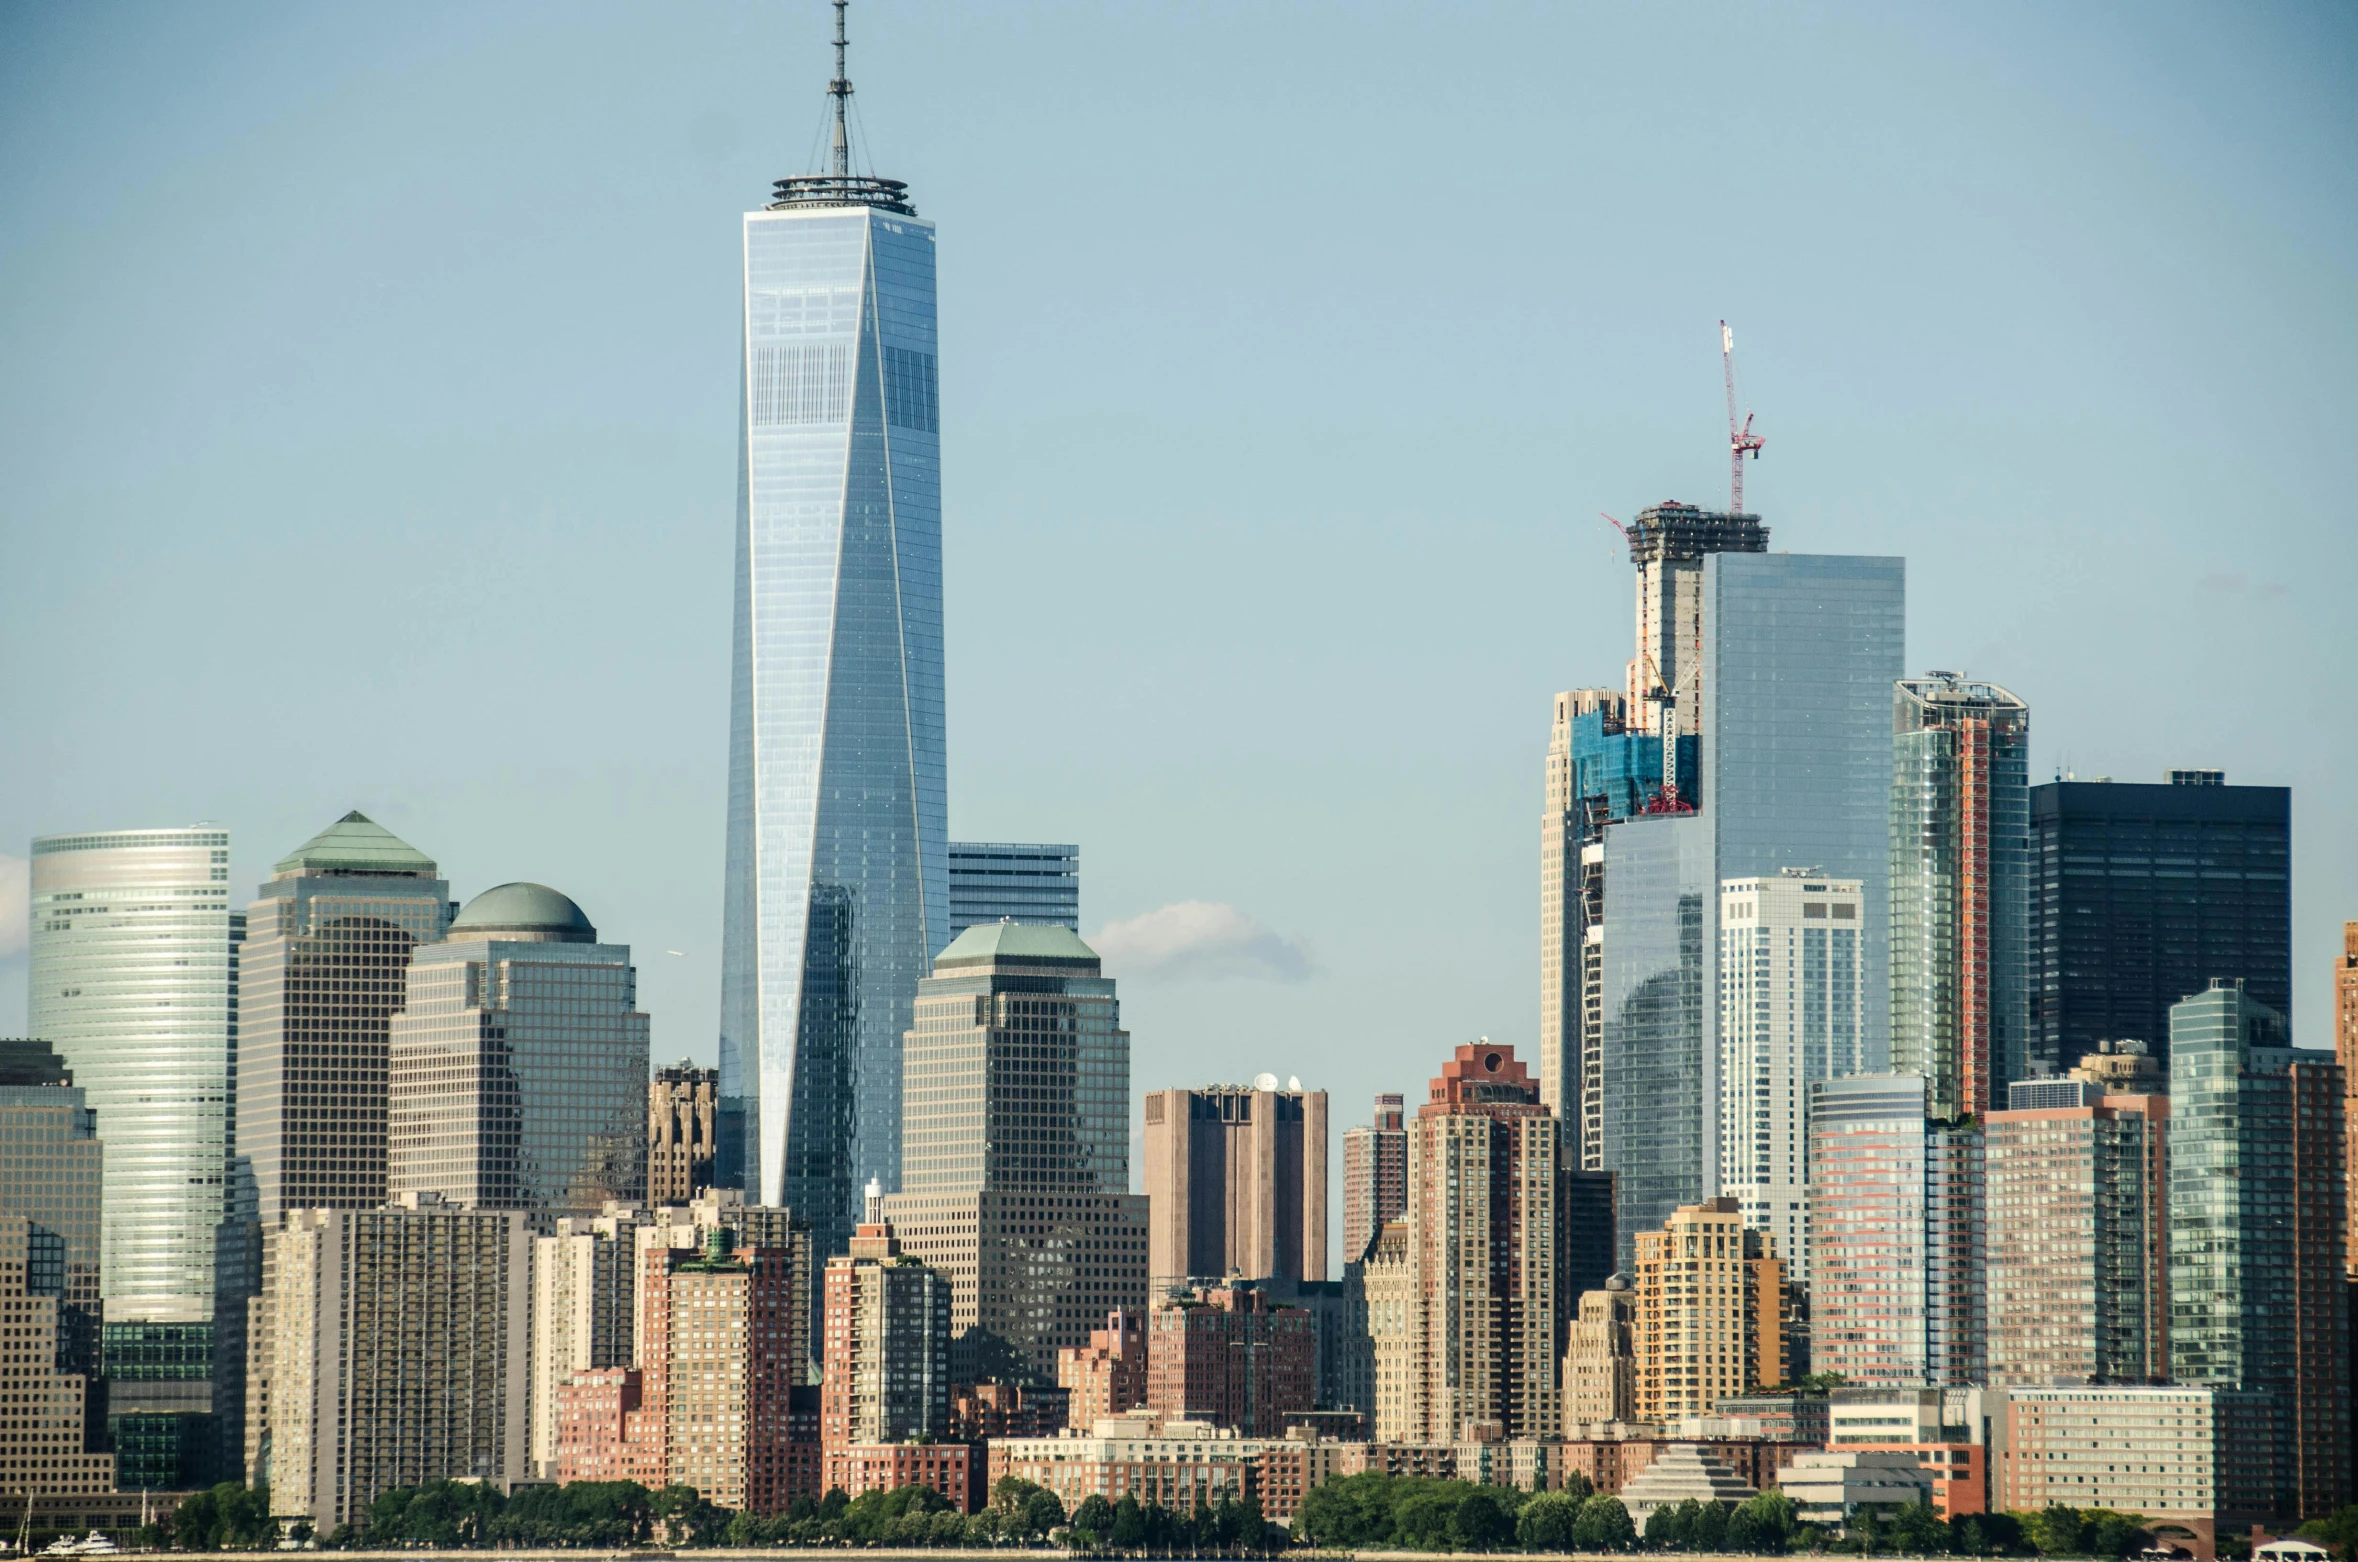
(723, 1215)
(1600, 1361)
(1375, 1176)
(1482, 1183)
(2078, 1244)
(584, 1308)
(837, 882)
(1228, 1356)
(1800, 654)
(1791, 1013)
(134, 982)
(1896, 1237)
(323, 973)
(2257, 1296)
(1960, 890)
(395, 1354)
(1003, 881)
(1396, 1317)
(518, 1062)
(1108, 1375)
(2144, 892)
(1016, 1171)
(887, 1325)
(716, 1369)
(1709, 1309)
(1236, 1183)
(2345, 1044)
(682, 1106)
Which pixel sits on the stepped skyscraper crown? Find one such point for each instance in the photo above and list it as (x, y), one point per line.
(838, 879)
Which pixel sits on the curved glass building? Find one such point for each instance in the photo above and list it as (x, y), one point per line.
(134, 982)
(838, 874)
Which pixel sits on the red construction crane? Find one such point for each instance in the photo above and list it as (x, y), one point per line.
(1741, 441)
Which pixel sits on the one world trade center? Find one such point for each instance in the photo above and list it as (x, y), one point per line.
(837, 880)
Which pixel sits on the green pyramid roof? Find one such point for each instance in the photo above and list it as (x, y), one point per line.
(357, 844)
(1025, 943)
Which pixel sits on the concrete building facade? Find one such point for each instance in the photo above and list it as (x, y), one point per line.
(887, 1324)
(1792, 1012)
(584, 1306)
(1709, 1314)
(48, 1452)
(682, 1101)
(1106, 1377)
(1236, 1183)
(1482, 1185)
(1016, 1179)
(517, 1062)
(2192, 1460)
(1227, 1356)
(1600, 1362)
(369, 1307)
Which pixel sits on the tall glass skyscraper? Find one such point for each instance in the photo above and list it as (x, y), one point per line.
(838, 878)
(135, 983)
(1658, 899)
(1800, 655)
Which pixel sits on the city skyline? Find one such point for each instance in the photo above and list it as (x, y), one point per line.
(1296, 920)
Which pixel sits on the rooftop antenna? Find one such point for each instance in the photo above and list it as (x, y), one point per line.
(840, 90)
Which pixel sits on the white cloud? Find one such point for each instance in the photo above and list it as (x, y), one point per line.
(1200, 938)
(16, 904)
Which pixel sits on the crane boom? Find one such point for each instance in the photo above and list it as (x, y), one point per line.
(1741, 440)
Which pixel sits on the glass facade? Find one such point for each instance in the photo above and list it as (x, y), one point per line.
(2146, 892)
(135, 984)
(837, 870)
(519, 1070)
(1657, 880)
(999, 881)
(1960, 890)
(1800, 655)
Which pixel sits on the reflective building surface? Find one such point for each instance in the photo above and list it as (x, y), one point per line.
(837, 876)
(1005, 881)
(519, 1062)
(1801, 652)
(1655, 1106)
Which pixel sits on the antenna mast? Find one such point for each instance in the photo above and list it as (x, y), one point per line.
(840, 90)
(1741, 441)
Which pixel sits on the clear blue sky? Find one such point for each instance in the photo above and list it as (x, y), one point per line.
(367, 392)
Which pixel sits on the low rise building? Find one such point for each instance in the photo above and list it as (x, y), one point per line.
(1682, 1472)
(1830, 1486)
(2192, 1460)
(1944, 1430)
(948, 1468)
(1171, 1463)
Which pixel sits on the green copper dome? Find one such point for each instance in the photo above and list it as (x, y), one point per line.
(357, 844)
(1024, 943)
(523, 910)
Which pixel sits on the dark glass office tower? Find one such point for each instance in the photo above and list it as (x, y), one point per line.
(2147, 892)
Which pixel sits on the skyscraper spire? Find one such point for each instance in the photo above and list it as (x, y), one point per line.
(840, 89)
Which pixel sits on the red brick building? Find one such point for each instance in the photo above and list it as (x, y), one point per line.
(949, 1468)
(1108, 1375)
(1228, 1357)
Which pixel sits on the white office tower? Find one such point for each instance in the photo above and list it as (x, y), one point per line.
(1791, 990)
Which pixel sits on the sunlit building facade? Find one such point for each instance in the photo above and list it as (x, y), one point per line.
(837, 879)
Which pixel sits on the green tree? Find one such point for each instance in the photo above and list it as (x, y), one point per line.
(2338, 1531)
(1042, 1512)
(1480, 1522)
(1093, 1522)
(1577, 1486)
(1604, 1526)
(1917, 1532)
(1420, 1518)
(1546, 1522)
(1709, 1530)
(1668, 1526)
(1762, 1525)
(1129, 1524)
(2059, 1531)
(2113, 1534)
